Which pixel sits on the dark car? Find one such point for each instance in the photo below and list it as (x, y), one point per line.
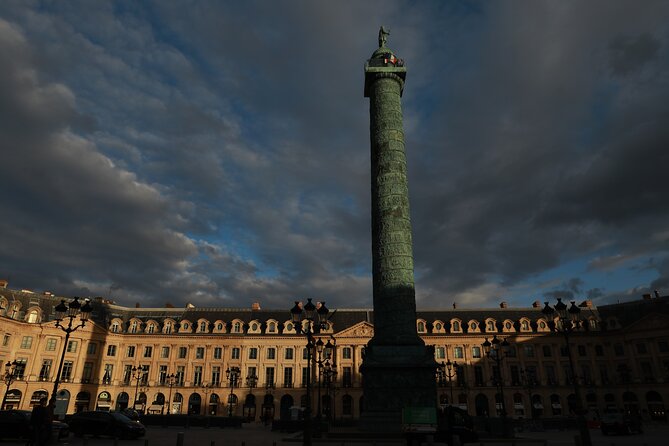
(455, 421)
(16, 424)
(112, 424)
(620, 423)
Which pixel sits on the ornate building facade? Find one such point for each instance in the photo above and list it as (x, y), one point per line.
(184, 360)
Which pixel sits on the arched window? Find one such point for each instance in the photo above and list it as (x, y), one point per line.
(421, 327)
(33, 317)
(219, 326)
(133, 327)
(237, 328)
(456, 326)
(347, 405)
(115, 327)
(525, 326)
(491, 326)
(271, 327)
(203, 327)
(168, 327)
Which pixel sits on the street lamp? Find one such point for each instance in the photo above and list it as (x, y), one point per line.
(69, 311)
(568, 321)
(497, 350)
(232, 374)
(324, 351)
(137, 373)
(316, 320)
(170, 380)
(11, 373)
(329, 380)
(448, 370)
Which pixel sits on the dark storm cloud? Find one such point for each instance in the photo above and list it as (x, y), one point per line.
(224, 146)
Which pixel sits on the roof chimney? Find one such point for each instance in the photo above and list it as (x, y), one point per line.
(502, 304)
(3, 283)
(455, 305)
(646, 296)
(536, 304)
(255, 306)
(137, 305)
(586, 303)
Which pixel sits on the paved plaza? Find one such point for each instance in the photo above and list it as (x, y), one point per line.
(253, 434)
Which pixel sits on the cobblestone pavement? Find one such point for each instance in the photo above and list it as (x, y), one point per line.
(252, 434)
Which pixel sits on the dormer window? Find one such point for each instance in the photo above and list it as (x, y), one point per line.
(491, 326)
(473, 326)
(271, 327)
(151, 328)
(168, 327)
(133, 327)
(237, 327)
(525, 326)
(421, 327)
(114, 327)
(456, 326)
(203, 327)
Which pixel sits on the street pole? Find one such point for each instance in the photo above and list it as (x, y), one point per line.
(171, 379)
(497, 350)
(10, 376)
(232, 374)
(568, 321)
(316, 320)
(73, 309)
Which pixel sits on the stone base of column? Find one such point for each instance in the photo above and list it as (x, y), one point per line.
(395, 377)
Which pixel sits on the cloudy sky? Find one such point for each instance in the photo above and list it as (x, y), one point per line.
(218, 152)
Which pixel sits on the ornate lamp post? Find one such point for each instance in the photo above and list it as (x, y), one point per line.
(497, 350)
(11, 373)
(232, 374)
(316, 321)
(170, 380)
(329, 379)
(448, 370)
(137, 373)
(568, 321)
(70, 311)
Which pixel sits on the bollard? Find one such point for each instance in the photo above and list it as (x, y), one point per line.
(180, 439)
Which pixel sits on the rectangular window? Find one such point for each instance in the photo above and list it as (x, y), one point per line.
(92, 348)
(586, 375)
(197, 375)
(50, 345)
(87, 372)
(581, 350)
(531, 375)
(347, 377)
(20, 369)
(604, 374)
(563, 351)
(619, 350)
(346, 353)
(216, 376)
(458, 352)
(288, 377)
(271, 353)
(183, 352)
(130, 351)
(145, 375)
(476, 352)
(108, 375)
(288, 353)
(305, 372)
(599, 350)
(529, 351)
(478, 376)
(647, 371)
(199, 353)
(164, 352)
(515, 375)
(181, 371)
(551, 376)
(269, 376)
(439, 352)
(66, 374)
(5, 340)
(218, 352)
(148, 351)
(663, 346)
(127, 374)
(235, 353)
(72, 346)
(253, 353)
(111, 350)
(26, 342)
(305, 353)
(641, 348)
(162, 374)
(547, 351)
(45, 371)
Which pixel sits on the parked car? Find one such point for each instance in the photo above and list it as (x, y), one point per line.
(620, 423)
(455, 421)
(16, 424)
(101, 423)
(130, 413)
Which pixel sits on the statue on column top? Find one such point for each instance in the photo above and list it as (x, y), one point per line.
(383, 36)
